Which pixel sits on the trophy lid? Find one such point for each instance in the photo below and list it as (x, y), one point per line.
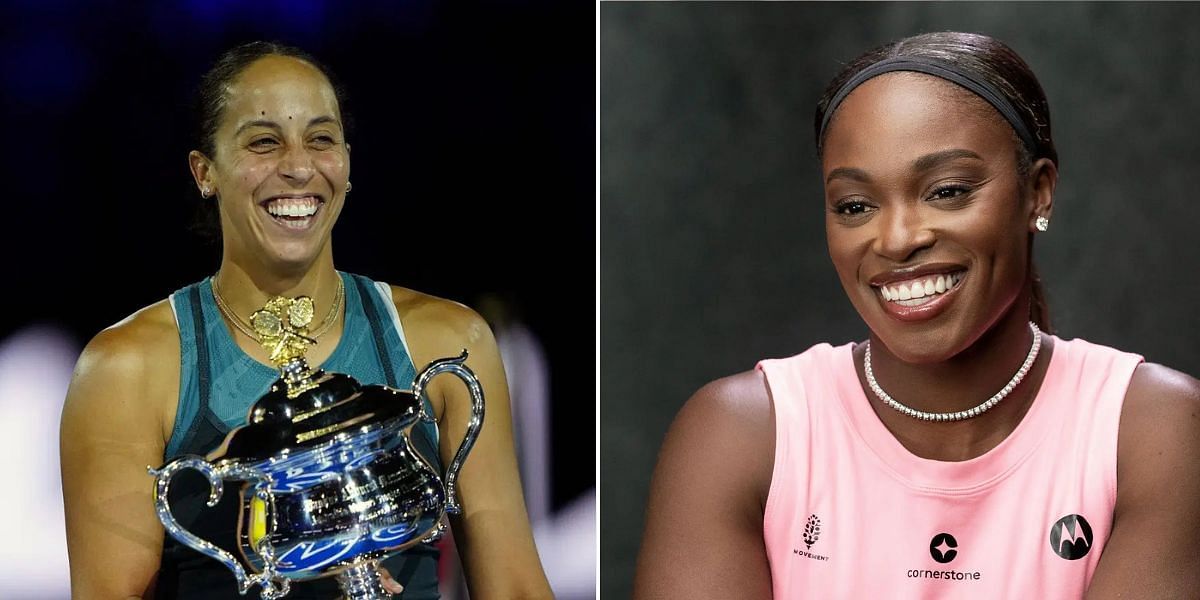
(337, 404)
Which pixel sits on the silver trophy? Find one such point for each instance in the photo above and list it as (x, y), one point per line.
(330, 481)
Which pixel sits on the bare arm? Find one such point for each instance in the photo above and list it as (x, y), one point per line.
(1152, 552)
(111, 430)
(704, 523)
(493, 535)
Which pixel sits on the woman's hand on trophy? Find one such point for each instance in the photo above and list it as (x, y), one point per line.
(389, 584)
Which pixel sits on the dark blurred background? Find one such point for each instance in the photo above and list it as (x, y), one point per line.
(473, 165)
(712, 234)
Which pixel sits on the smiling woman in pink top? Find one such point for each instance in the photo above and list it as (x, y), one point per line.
(962, 451)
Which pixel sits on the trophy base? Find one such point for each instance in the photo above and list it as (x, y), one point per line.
(361, 582)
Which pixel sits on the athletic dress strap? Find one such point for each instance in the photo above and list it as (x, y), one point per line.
(388, 336)
(206, 430)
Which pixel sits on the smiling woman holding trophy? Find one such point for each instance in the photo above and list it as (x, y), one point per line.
(274, 370)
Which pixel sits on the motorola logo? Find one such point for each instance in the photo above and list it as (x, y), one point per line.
(1071, 537)
(943, 547)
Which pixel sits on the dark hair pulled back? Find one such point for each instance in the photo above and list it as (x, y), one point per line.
(212, 96)
(1001, 67)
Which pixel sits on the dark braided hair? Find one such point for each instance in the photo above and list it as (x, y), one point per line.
(1001, 67)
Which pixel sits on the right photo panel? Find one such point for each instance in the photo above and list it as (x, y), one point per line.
(898, 300)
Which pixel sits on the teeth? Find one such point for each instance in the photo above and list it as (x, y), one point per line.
(293, 207)
(921, 288)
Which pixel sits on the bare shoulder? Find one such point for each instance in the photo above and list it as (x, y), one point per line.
(740, 400)
(131, 345)
(703, 540)
(1162, 401)
(1159, 430)
(439, 327)
(1151, 552)
(1154, 380)
(733, 419)
(115, 422)
(128, 366)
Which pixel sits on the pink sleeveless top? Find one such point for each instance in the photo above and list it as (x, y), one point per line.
(853, 514)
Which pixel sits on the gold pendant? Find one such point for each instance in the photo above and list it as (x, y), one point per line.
(282, 329)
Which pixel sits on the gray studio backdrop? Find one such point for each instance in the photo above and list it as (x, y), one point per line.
(712, 250)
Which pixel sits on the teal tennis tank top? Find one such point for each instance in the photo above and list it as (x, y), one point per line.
(218, 383)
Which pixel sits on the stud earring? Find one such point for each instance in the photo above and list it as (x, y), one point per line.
(1042, 223)
(205, 192)
(348, 186)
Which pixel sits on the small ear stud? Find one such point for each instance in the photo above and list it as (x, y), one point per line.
(1042, 223)
(348, 187)
(205, 192)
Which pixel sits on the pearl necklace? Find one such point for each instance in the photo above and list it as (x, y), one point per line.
(962, 414)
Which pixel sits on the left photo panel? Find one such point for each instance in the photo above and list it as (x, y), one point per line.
(288, 310)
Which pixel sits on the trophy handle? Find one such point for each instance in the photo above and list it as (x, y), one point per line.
(273, 585)
(456, 366)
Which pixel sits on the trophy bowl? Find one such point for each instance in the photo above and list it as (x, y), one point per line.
(330, 480)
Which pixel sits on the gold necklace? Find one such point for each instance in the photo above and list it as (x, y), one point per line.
(326, 324)
(331, 317)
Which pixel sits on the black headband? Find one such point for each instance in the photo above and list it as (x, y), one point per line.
(944, 70)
